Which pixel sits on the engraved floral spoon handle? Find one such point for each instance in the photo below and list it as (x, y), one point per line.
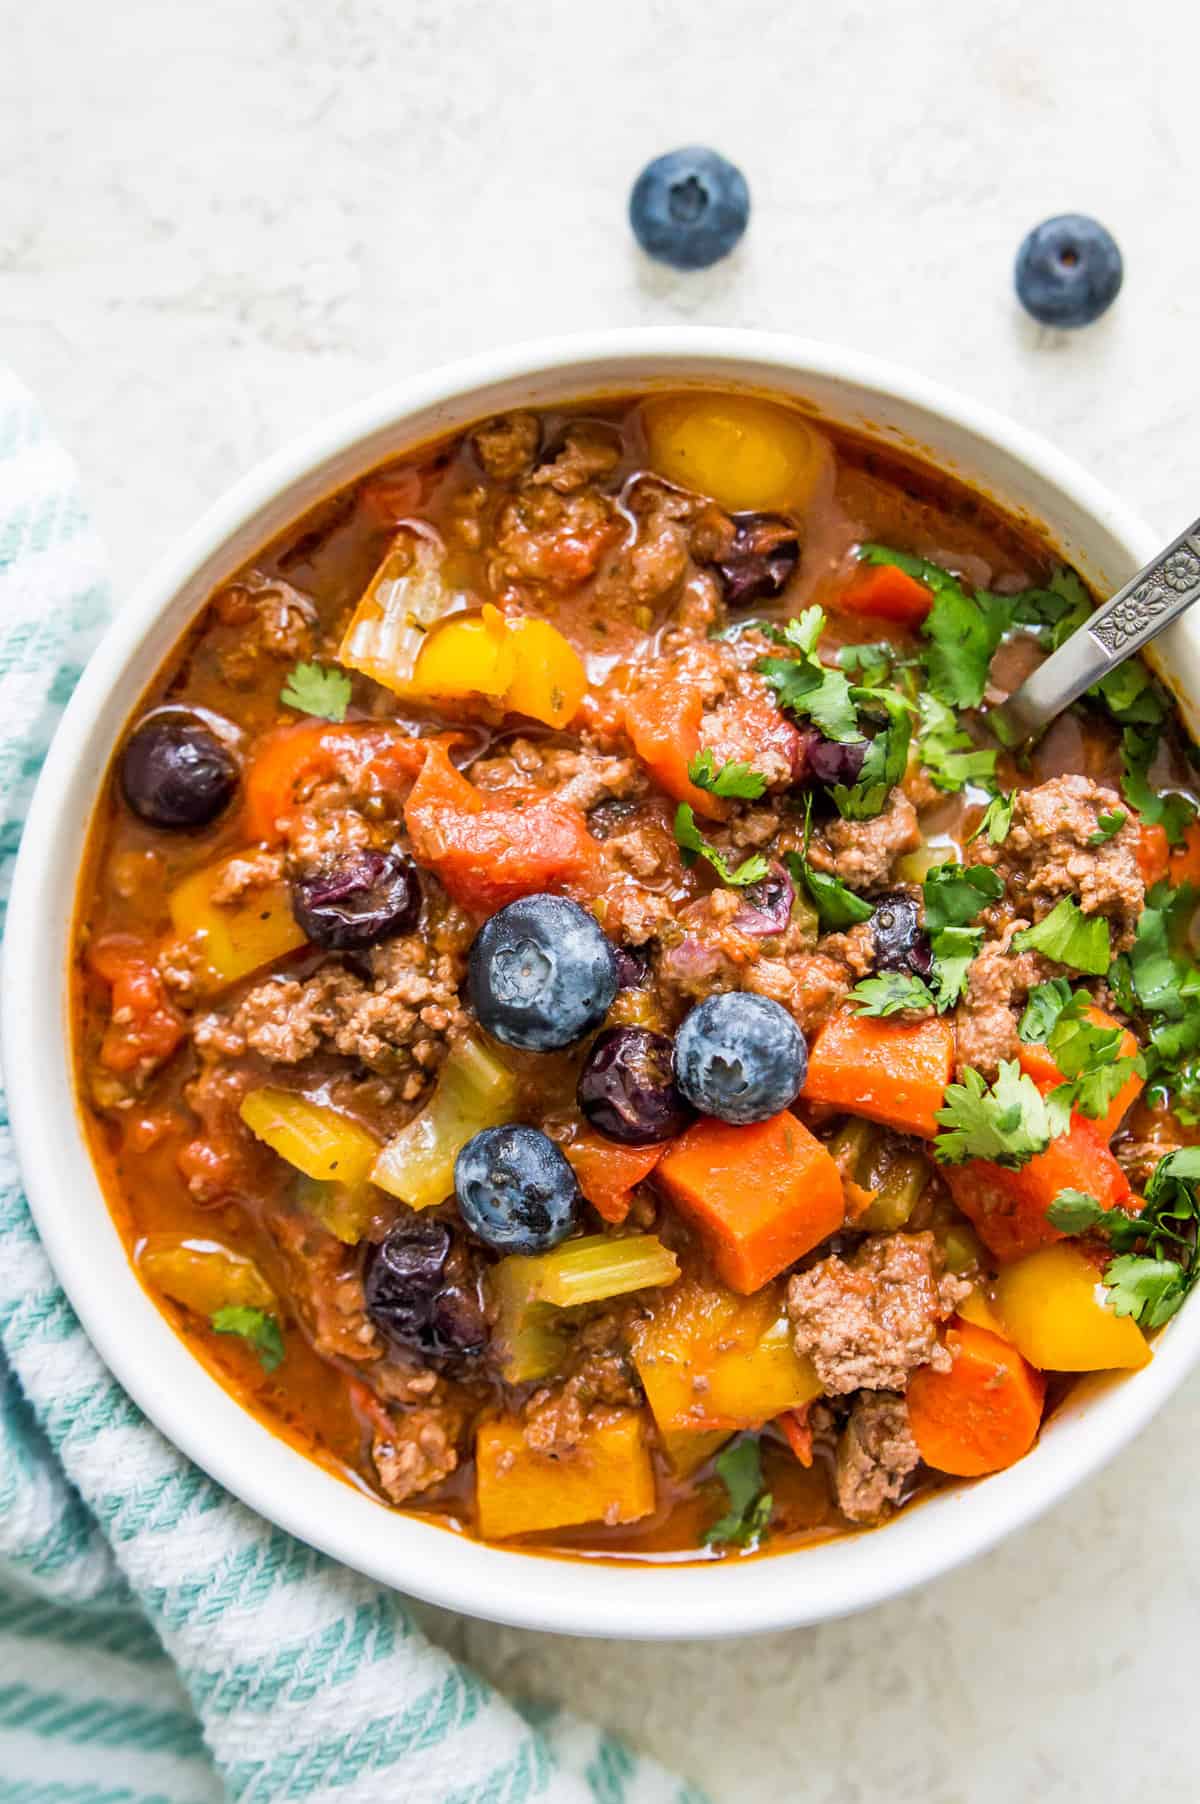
(1149, 603)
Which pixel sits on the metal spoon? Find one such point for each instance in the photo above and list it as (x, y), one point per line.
(1149, 603)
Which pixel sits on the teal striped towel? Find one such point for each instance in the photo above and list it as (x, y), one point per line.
(159, 1643)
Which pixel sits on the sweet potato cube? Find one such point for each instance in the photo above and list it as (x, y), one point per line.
(607, 1478)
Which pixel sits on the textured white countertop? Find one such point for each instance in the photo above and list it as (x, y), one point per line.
(220, 219)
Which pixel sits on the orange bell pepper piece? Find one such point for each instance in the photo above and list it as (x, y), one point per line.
(981, 1415)
(890, 1071)
(608, 1173)
(1008, 1208)
(883, 592)
(488, 850)
(758, 1197)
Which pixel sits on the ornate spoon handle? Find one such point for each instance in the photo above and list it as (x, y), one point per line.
(1149, 603)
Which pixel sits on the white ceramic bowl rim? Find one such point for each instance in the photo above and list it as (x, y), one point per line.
(143, 1352)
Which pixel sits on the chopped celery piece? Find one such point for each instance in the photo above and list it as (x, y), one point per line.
(203, 1275)
(896, 1194)
(962, 1249)
(347, 1210)
(406, 596)
(854, 1146)
(914, 867)
(473, 1092)
(314, 1138)
(686, 1451)
(530, 1291)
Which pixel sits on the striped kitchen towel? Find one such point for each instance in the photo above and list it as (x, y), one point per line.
(159, 1643)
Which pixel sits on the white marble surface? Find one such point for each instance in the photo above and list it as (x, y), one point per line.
(221, 218)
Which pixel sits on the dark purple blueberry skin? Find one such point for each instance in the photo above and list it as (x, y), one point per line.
(175, 773)
(515, 1189)
(901, 943)
(627, 1088)
(768, 905)
(759, 563)
(363, 898)
(409, 1300)
(831, 762)
(633, 968)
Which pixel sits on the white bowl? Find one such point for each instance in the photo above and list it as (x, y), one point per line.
(585, 1596)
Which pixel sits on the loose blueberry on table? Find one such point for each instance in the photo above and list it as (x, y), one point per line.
(689, 208)
(1068, 271)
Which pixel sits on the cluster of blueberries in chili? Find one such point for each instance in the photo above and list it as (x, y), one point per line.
(581, 1025)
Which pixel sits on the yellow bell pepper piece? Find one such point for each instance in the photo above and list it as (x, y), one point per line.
(687, 1452)
(709, 1359)
(203, 1275)
(550, 681)
(237, 937)
(474, 1091)
(1056, 1313)
(745, 453)
(530, 1291)
(607, 1478)
(404, 599)
(314, 1138)
(977, 1307)
(472, 656)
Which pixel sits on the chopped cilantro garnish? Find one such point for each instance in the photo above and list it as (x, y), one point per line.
(954, 895)
(997, 819)
(730, 780)
(872, 662)
(1158, 1255)
(804, 685)
(1006, 1122)
(947, 752)
(887, 755)
(317, 689)
(953, 948)
(1107, 827)
(1071, 938)
(258, 1329)
(694, 845)
(891, 992)
(1159, 979)
(745, 1522)
(1046, 1003)
(837, 907)
(1088, 1055)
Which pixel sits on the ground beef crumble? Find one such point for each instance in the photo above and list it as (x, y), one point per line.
(875, 1455)
(998, 986)
(866, 1322)
(863, 853)
(1048, 854)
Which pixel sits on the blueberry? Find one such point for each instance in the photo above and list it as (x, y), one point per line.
(174, 772)
(1068, 271)
(541, 974)
(759, 561)
(831, 762)
(901, 943)
(362, 898)
(689, 208)
(515, 1189)
(627, 1088)
(412, 1300)
(740, 1057)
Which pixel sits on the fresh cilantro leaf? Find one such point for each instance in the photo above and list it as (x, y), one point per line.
(837, 907)
(1074, 1212)
(891, 992)
(745, 1522)
(953, 948)
(1006, 1122)
(955, 893)
(804, 685)
(1150, 1290)
(1063, 604)
(963, 632)
(1157, 1260)
(258, 1329)
(872, 662)
(886, 759)
(1046, 1003)
(932, 575)
(997, 819)
(1174, 813)
(1108, 826)
(730, 780)
(693, 845)
(317, 689)
(1070, 937)
(947, 752)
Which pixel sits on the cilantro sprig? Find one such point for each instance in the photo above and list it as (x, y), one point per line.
(887, 754)
(1157, 1252)
(1107, 827)
(257, 1328)
(892, 993)
(1006, 1122)
(1159, 980)
(948, 753)
(317, 689)
(693, 845)
(997, 819)
(1090, 1056)
(804, 685)
(745, 1522)
(1071, 938)
(954, 895)
(734, 780)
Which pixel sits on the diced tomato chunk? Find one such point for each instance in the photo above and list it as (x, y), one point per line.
(144, 1028)
(608, 1173)
(488, 850)
(371, 757)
